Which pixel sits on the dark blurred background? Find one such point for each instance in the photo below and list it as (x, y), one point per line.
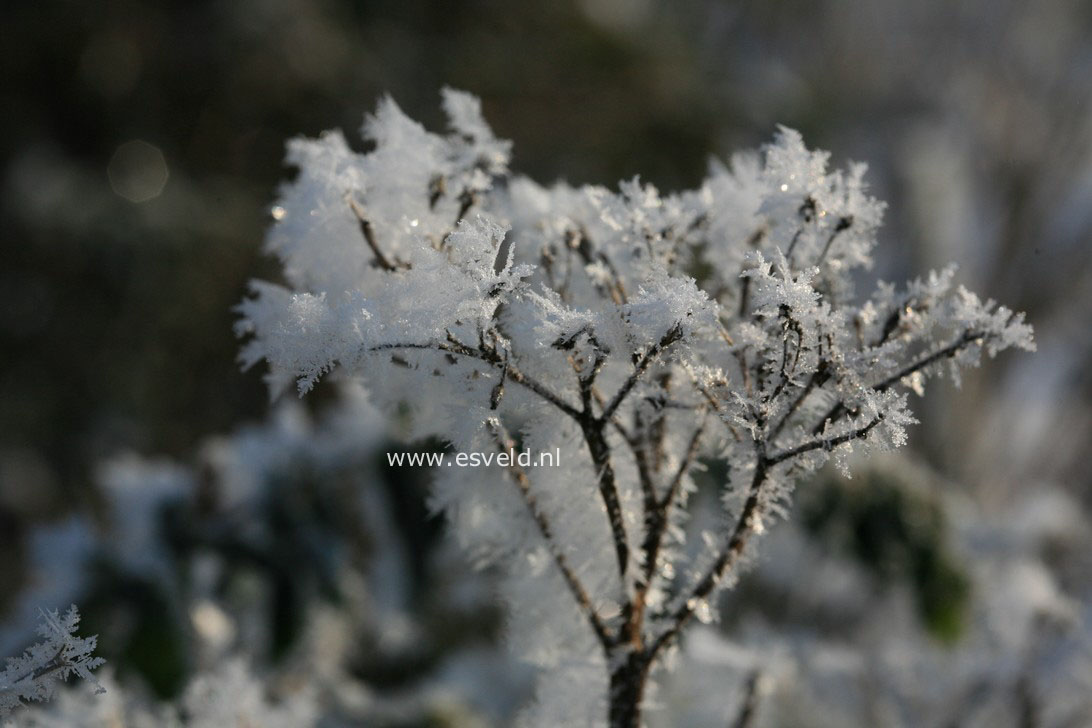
(142, 144)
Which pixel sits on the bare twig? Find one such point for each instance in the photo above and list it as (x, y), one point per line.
(817, 379)
(968, 337)
(745, 526)
(840, 409)
(55, 663)
(580, 594)
(748, 710)
(724, 562)
(826, 443)
(599, 450)
(657, 526)
(513, 373)
(673, 334)
(844, 223)
(368, 232)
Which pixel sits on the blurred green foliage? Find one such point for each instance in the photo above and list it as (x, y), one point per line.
(885, 522)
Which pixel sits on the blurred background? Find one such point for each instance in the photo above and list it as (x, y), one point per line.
(142, 143)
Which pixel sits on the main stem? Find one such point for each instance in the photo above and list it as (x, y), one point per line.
(627, 690)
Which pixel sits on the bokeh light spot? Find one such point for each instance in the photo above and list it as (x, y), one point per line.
(138, 171)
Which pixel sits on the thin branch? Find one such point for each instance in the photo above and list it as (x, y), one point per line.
(673, 334)
(967, 337)
(793, 242)
(662, 514)
(745, 526)
(817, 379)
(724, 562)
(753, 242)
(55, 663)
(725, 335)
(844, 223)
(599, 450)
(657, 431)
(514, 374)
(684, 466)
(807, 213)
(616, 289)
(748, 711)
(466, 200)
(580, 594)
(786, 375)
(369, 237)
(744, 289)
(714, 405)
(891, 325)
(644, 477)
(594, 430)
(828, 443)
(594, 434)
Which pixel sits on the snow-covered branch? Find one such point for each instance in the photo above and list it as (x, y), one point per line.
(620, 318)
(35, 675)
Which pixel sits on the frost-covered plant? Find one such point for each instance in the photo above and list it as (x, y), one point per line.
(645, 335)
(34, 675)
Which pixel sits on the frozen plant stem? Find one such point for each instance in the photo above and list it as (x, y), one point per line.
(570, 316)
(580, 594)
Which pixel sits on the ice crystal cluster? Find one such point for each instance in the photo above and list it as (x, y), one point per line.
(646, 335)
(35, 674)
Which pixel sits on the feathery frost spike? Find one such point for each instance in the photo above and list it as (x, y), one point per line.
(35, 675)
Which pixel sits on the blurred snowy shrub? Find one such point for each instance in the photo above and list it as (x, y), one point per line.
(821, 638)
(812, 642)
(643, 334)
(275, 569)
